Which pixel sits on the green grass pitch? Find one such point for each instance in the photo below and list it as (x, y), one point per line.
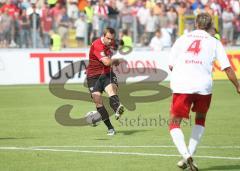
(32, 140)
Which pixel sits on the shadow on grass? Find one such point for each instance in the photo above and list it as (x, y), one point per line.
(130, 132)
(126, 132)
(102, 139)
(222, 167)
(15, 138)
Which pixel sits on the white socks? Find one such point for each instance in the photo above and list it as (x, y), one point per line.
(178, 139)
(197, 133)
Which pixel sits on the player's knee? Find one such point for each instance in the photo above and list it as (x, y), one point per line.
(114, 102)
(174, 123)
(98, 104)
(111, 89)
(200, 122)
(200, 119)
(97, 99)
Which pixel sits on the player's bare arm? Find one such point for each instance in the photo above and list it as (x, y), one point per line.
(232, 77)
(117, 61)
(109, 62)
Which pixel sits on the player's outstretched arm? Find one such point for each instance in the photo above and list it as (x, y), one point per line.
(232, 77)
(116, 62)
(108, 61)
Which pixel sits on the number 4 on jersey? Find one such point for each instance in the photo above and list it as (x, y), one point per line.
(194, 47)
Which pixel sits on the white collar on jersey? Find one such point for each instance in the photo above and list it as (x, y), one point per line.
(203, 31)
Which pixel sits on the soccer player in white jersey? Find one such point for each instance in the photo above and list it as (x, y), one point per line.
(191, 63)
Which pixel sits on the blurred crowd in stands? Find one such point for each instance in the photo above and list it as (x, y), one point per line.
(153, 23)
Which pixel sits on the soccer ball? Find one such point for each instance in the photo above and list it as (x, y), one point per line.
(93, 117)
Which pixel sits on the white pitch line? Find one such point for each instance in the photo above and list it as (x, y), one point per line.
(114, 153)
(140, 146)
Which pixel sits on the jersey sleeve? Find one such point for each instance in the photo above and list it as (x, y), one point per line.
(99, 52)
(222, 56)
(173, 53)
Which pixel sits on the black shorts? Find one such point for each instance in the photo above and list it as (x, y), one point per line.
(98, 83)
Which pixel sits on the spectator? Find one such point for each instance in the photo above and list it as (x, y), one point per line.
(174, 3)
(82, 4)
(127, 17)
(150, 26)
(24, 29)
(35, 26)
(217, 10)
(236, 35)
(1, 30)
(172, 18)
(213, 32)
(72, 10)
(166, 37)
(44, 10)
(57, 15)
(142, 16)
(10, 7)
(30, 9)
(150, 4)
(101, 11)
(95, 26)
(47, 25)
(157, 9)
(163, 20)
(181, 9)
(126, 41)
(7, 25)
(223, 4)
(80, 29)
(204, 2)
(208, 9)
(15, 41)
(197, 5)
(228, 18)
(235, 4)
(24, 4)
(63, 27)
(156, 43)
(52, 3)
(120, 5)
(133, 16)
(55, 42)
(113, 14)
(89, 11)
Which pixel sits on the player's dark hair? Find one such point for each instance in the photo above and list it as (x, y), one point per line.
(125, 32)
(204, 21)
(158, 31)
(109, 30)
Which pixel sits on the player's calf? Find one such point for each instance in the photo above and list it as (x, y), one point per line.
(200, 119)
(116, 106)
(105, 117)
(114, 102)
(103, 112)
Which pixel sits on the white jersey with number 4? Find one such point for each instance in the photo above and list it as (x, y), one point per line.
(192, 57)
